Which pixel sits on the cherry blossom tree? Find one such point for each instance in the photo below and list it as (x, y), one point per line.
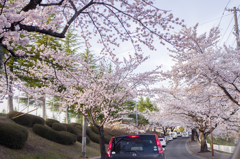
(109, 22)
(99, 93)
(209, 71)
(200, 63)
(196, 110)
(138, 21)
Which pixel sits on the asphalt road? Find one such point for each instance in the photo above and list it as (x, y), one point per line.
(177, 149)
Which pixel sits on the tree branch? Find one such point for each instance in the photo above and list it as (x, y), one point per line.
(30, 28)
(228, 94)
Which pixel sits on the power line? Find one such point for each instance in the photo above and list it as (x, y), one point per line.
(223, 13)
(230, 34)
(198, 25)
(214, 19)
(226, 31)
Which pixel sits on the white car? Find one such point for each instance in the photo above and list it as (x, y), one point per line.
(163, 142)
(173, 135)
(170, 138)
(179, 134)
(185, 134)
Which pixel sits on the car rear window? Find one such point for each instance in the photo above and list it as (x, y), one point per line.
(142, 143)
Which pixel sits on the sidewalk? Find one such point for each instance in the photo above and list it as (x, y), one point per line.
(194, 148)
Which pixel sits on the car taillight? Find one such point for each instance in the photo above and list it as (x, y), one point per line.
(133, 136)
(109, 148)
(160, 150)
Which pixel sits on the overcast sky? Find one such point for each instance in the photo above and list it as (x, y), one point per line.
(208, 13)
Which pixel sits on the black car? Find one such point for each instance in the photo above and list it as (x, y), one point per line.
(135, 147)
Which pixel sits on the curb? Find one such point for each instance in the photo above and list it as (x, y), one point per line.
(196, 154)
(190, 151)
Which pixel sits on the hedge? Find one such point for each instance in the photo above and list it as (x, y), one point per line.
(73, 130)
(13, 135)
(93, 133)
(88, 131)
(79, 127)
(59, 127)
(79, 138)
(76, 124)
(50, 122)
(94, 137)
(77, 130)
(26, 119)
(107, 138)
(94, 129)
(61, 137)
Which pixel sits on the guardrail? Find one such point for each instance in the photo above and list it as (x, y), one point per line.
(223, 148)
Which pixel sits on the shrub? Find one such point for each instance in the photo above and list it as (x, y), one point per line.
(76, 129)
(88, 131)
(72, 129)
(79, 127)
(79, 139)
(26, 119)
(67, 138)
(13, 135)
(59, 127)
(110, 133)
(94, 129)
(107, 138)
(61, 137)
(76, 124)
(50, 122)
(94, 137)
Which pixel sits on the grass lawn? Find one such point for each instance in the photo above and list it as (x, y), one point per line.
(221, 141)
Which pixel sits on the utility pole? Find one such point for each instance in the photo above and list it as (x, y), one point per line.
(236, 24)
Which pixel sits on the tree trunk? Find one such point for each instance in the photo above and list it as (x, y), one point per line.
(10, 97)
(164, 131)
(102, 143)
(192, 136)
(203, 142)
